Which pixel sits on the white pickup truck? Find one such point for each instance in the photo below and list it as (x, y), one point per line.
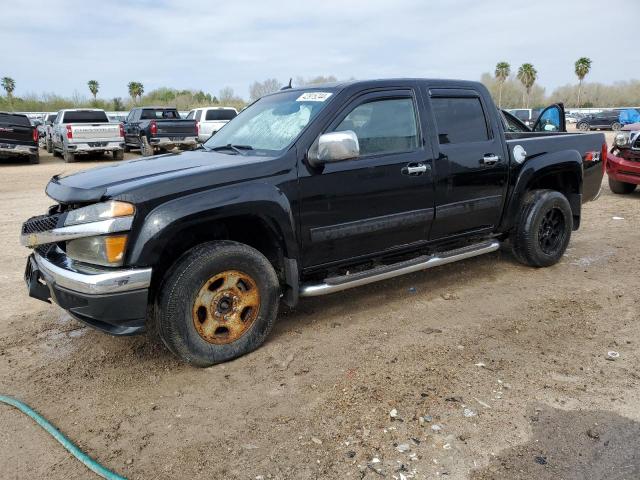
(211, 119)
(82, 131)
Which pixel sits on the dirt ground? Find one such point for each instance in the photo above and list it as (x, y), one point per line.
(484, 369)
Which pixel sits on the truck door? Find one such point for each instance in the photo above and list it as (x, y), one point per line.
(471, 169)
(376, 202)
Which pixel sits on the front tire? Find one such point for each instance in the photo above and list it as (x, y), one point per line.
(615, 126)
(583, 127)
(218, 302)
(544, 228)
(621, 188)
(34, 158)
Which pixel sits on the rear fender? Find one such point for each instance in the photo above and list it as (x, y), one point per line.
(560, 171)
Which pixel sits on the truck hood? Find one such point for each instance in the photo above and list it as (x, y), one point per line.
(96, 184)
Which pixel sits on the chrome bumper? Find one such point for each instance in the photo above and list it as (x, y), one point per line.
(19, 150)
(63, 272)
(168, 141)
(86, 147)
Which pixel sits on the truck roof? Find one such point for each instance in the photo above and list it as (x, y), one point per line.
(387, 82)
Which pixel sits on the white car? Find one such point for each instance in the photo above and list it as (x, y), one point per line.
(81, 131)
(211, 119)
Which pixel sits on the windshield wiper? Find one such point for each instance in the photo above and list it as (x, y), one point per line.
(236, 148)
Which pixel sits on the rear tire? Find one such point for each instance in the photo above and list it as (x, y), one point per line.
(49, 146)
(621, 188)
(217, 302)
(145, 148)
(118, 155)
(69, 157)
(544, 228)
(34, 158)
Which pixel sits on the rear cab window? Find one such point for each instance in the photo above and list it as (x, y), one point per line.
(220, 114)
(159, 114)
(12, 119)
(85, 116)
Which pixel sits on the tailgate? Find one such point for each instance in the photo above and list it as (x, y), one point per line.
(95, 132)
(176, 128)
(16, 134)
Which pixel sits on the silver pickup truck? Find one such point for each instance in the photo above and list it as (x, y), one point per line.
(82, 131)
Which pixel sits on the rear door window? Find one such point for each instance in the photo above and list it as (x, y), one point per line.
(459, 120)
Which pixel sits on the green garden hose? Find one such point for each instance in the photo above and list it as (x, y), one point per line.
(89, 462)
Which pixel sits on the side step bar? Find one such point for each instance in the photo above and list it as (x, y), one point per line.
(344, 282)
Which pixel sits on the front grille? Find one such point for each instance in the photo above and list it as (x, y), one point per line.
(41, 223)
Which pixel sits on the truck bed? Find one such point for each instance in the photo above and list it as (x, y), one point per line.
(538, 143)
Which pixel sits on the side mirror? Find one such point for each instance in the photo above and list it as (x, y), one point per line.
(338, 146)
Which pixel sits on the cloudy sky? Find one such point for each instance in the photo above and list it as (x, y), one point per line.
(57, 45)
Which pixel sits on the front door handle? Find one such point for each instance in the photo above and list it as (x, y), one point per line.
(415, 169)
(490, 159)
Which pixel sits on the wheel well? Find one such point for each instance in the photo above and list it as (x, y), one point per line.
(567, 183)
(251, 230)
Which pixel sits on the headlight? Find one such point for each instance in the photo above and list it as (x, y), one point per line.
(98, 212)
(105, 250)
(621, 139)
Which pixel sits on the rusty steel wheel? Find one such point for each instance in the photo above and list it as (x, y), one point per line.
(226, 306)
(218, 301)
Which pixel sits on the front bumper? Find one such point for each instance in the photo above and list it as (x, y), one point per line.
(11, 150)
(623, 170)
(97, 146)
(171, 142)
(113, 300)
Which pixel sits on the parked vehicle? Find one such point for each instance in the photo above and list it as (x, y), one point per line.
(528, 116)
(154, 129)
(606, 120)
(308, 192)
(82, 131)
(623, 160)
(211, 119)
(573, 117)
(18, 137)
(47, 130)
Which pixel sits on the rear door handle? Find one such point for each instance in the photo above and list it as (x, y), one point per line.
(490, 159)
(415, 169)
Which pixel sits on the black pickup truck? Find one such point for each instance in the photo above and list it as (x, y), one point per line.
(153, 129)
(307, 192)
(18, 138)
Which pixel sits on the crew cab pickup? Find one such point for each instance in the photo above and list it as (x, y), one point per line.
(18, 138)
(82, 131)
(307, 192)
(153, 129)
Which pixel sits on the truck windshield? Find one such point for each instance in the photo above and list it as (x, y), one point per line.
(273, 122)
(85, 116)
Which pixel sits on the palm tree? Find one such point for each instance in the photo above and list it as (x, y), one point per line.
(527, 75)
(583, 66)
(136, 89)
(93, 88)
(9, 84)
(503, 70)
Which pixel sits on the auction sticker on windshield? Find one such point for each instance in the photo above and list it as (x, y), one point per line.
(313, 97)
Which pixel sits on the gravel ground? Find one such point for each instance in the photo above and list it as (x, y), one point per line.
(484, 369)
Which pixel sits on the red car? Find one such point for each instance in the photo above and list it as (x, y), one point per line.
(623, 160)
